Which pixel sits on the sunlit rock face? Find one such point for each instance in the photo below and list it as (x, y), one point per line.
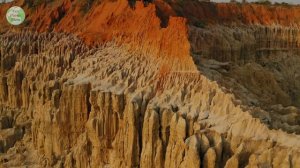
(142, 87)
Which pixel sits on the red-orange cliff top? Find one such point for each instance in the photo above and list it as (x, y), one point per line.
(158, 29)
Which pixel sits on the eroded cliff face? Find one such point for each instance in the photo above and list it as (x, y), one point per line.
(130, 91)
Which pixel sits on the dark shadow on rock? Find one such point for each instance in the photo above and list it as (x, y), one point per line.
(259, 73)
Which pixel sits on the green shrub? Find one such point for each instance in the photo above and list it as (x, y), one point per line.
(200, 24)
(36, 3)
(87, 4)
(263, 2)
(181, 2)
(283, 4)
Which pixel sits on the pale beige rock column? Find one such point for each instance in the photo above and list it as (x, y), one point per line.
(152, 154)
(176, 145)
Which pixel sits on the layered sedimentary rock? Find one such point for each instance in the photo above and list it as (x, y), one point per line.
(261, 61)
(142, 91)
